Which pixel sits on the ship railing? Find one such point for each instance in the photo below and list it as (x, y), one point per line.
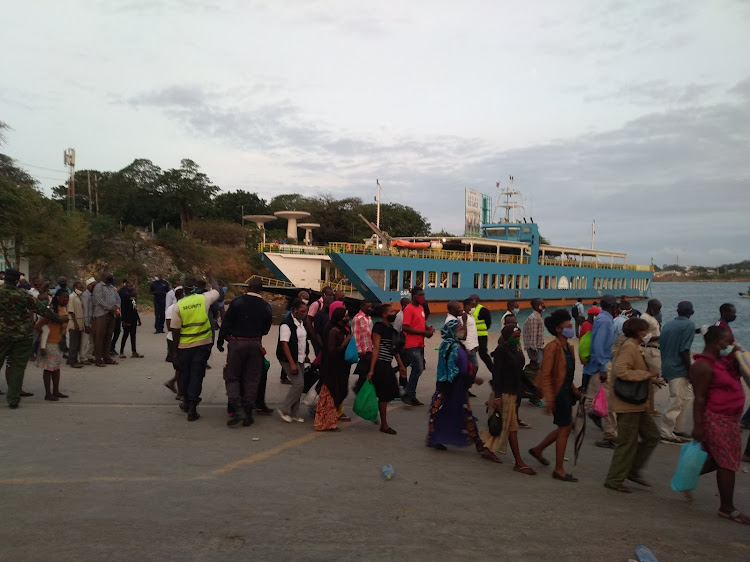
(292, 249)
(424, 253)
(594, 265)
(270, 281)
(343, 285)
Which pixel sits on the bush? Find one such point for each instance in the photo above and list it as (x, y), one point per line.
(184, 250)
(217, 233)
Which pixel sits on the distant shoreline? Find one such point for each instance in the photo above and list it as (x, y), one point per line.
(692, 280)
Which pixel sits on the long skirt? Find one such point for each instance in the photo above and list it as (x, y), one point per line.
(499, 444)
(326, 413)
(451, 419)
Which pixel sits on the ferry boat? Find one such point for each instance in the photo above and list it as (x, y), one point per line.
(504, 261)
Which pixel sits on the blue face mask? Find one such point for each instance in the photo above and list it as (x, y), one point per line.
(568, 333)
(726, 351)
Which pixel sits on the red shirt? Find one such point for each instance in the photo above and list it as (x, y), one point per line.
(585, 327)
(727, 328)
(415, 319)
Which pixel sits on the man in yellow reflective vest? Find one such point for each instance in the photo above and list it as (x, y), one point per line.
(193, 340)
(483, 319)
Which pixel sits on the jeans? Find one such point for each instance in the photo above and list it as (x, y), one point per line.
(679, 405)
(415, 358)
(192, 362)
(631, 454)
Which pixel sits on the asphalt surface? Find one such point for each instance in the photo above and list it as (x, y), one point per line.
(116, 472)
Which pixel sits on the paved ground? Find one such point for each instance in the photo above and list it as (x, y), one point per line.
(117, 472)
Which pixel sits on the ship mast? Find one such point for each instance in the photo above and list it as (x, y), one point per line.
(508, 199)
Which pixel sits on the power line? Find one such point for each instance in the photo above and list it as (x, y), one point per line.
(42, 167)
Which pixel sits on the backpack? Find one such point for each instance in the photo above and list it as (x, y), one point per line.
(584, 347)
(574, 312)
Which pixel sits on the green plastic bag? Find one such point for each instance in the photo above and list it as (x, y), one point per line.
(366, 403)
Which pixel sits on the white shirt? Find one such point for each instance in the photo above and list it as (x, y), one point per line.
(472, 339)
(168, 316)
(399, 321)
(285, 334)
(653, 326)
(170, 300)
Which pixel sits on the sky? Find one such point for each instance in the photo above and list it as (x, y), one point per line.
(633, 114)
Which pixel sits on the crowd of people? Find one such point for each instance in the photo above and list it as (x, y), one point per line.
(627, 354)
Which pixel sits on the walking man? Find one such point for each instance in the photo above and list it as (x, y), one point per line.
(291, 351)
(579, 315)
(362, 333)
(675, 342)
(246, 321)
(651, 349)
(416, 331)
(16, 308)
(159, 288)
(106, 310)
(597, 369)
(533, 332)
(76, 326)
(483, 321)
(87, 338)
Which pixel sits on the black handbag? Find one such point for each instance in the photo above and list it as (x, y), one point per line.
(495, 423)
(632, 392)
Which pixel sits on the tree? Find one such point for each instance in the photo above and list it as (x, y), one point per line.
(397, 219)
(189, 190)
(20, 200)
(230, 205)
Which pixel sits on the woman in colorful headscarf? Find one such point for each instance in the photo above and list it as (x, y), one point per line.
(335, 373)
(451, 419)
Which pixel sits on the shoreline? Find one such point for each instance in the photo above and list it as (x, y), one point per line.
(745, 279)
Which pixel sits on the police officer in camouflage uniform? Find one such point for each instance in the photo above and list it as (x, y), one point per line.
(16, 324)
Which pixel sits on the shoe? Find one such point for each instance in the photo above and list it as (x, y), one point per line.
(605, 444)
(265, 410)
(13, 406)
(234, 419)
(25, 394)
(51, 398)
(408, 400)
(86, 362)
(416, 402)
(566, 478)
(184, 406)
(672, 441)
(536, 402)
(686, 437)
(596, 419)
(137, 356)
(123, 356)
(286, 417)
(249, 420)
(77, 366)
(159, 332)
(60, 395)
(299, 420)
(193, 412)
(388, 430)
(524, 425)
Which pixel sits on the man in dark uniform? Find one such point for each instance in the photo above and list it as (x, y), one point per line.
(246, 321)
(16, 323)
(159, 288)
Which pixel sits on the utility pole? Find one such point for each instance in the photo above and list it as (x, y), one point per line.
(69, 158)
(96, 192)
(242, 210)
(377, 217)
(593, 231)
(88, 178)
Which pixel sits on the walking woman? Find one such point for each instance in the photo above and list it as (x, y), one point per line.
(507, 379)
(555, 378)
(451, 419)
(384, 338)
(50, 359)
(130, 319)
(335, 373)
(291, 352)
(719, 401)
(633, 420)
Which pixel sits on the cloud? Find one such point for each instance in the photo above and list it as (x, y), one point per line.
(655, 92)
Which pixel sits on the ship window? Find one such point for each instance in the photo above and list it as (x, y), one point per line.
(526, 229)
(485, 281)
(476, 280)
(493, 282)
(525, 281)
(518, 281)
(501, 281)
(455, 280)
(420, 279)
(540, 284)
(585, 282)
(432, 279)
(510, 282)
(553, 283)
(444, 279)
(513, 231)
(407, 281)
(378, 276)
(393, 281)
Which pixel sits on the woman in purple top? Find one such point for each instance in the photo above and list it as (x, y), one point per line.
(719, 401)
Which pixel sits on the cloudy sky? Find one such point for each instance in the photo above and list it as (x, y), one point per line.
(636, 114)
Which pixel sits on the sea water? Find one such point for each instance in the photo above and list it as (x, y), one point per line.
(706, 299)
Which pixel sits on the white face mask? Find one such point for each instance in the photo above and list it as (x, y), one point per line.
(646, 338)
(516, 311)
(305, 301)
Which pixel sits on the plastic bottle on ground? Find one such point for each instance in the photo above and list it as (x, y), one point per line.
(388, 472)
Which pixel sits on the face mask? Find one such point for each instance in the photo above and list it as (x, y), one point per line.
(110, 280)
(156, 278)
(726, 351)
(391, 317)
(78, 292)
(542, 308)
(568, 333)
(419, 300)
(305, 301)
(514, 341)
(646, 338)
(731, 319)
(516, 311)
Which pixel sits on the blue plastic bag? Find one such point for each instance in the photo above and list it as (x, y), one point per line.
(351, 355)
(692, 458)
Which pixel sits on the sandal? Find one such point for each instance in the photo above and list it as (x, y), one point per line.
(524, 470)
(540, 458)
(25, 394)
(51, 398)
(111, 362)
(439, 447)
(171, 386)
(101, 364)
(345, 418)
(639, 480)
(60, 395)
(137, 356)
(388, 430)
(623, 489)
(566, 478)
(489, 455)
(737, 516)
(122, 356)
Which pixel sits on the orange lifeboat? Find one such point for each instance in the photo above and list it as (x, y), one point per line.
(407, 244)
